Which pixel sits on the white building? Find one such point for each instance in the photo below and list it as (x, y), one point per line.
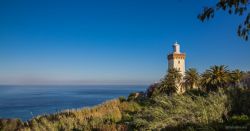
(177, 59)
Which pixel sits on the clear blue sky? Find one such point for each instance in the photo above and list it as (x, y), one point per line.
(111, 42)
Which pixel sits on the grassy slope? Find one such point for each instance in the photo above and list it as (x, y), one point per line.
(104, 117)
(178, 111)
(189, 111)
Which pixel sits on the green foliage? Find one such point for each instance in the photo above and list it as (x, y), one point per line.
(193, 110)
(166, 112)
(102, 117)
(239, 120)
(196, 92)
(132, 96)
(10, 124)
(245, 81)
(235, 77)
(237, 7)
(169, 84)
(191, 78)
(153, 90)
(239, 100)
(122, 99)
(214, 78)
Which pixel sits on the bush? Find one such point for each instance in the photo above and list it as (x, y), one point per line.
(173, 111)
(122, 99)
(196, 92)
(239, 100)
(132, 96)
(10, 124)
(192, 110)
(239, 120)
(153, 90)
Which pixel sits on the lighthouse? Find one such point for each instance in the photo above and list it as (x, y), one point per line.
(177, 59)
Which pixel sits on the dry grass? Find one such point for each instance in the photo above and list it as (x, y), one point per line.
(102, 117)
(188, 111)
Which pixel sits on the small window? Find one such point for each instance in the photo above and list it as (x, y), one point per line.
(179, 68)
(179, 62)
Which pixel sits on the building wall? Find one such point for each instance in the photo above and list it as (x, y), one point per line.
(177, 60)
(178, 64)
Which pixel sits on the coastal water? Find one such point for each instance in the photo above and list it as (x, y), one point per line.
(25, 102)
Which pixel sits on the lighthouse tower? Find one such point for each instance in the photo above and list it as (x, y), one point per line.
(177, 59)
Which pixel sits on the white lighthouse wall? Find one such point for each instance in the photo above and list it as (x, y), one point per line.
(178, 64)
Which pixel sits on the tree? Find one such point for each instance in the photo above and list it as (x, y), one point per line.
(191, 78)
(171, 82)
(153, 90)
(246, 79)
(238, 7)
(235, 77)
(215, 77)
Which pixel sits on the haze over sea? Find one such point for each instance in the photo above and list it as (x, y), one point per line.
(25, 102)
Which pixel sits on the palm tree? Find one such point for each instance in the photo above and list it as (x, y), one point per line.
(215, 77)
(191, 78)
(171, 81)
(235, 77)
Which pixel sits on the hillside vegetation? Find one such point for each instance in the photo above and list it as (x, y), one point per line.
(220, 103)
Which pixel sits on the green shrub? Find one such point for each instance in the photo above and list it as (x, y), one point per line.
(239, 120)
(122, 99)
(10, 124)
(192, 110)
(177, 110)
(239, 100)
(132, 96)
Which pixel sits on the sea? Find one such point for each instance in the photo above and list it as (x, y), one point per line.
(26, 102)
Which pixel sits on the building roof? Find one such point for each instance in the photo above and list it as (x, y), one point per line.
(177, 56)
